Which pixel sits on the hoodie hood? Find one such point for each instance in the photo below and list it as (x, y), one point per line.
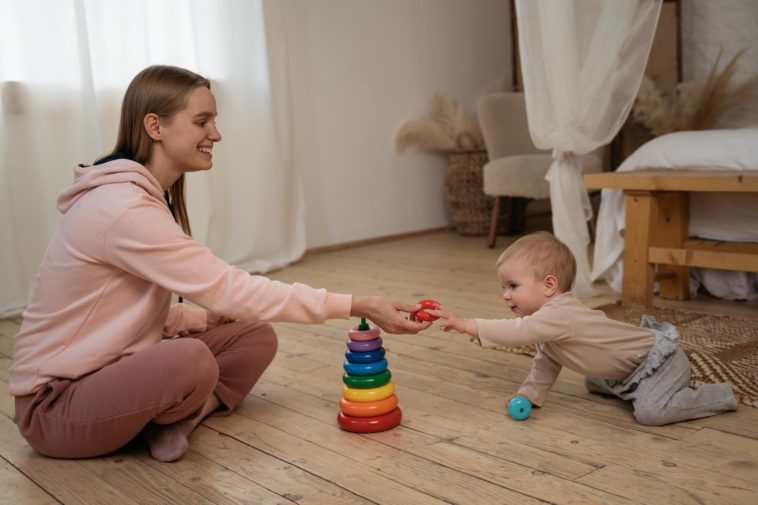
(119, 171)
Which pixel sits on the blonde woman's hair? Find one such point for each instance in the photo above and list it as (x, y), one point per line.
(163, 90)
(546, 255)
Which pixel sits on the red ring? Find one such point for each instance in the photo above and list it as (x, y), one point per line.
(422, 314)
(370, 424)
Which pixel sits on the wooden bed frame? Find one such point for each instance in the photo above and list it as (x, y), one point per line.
(657, 216)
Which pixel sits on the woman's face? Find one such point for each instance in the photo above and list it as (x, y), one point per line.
(187, 137)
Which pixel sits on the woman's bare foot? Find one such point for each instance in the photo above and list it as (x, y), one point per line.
(168, 442)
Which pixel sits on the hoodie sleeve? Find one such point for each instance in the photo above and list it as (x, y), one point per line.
(145, 241)
(182, 320)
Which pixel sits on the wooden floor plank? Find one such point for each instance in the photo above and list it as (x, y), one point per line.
(397, 466)
(19, 488)
(318, 460)
(279, 476)
(655, 487)
(8, 330)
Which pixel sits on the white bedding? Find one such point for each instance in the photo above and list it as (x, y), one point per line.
(716, 216)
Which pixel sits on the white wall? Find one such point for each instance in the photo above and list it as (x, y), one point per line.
(359, 69)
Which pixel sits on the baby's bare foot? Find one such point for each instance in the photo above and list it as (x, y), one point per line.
(167, 442)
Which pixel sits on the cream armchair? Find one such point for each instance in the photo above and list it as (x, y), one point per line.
(516, 168)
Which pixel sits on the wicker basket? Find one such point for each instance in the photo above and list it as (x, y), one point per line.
(469, 208)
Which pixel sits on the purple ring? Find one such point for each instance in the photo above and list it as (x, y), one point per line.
(364, 345)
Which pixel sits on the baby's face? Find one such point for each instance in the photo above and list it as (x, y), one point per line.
(522, 291)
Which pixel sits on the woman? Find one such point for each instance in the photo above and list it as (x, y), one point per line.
(90, 369)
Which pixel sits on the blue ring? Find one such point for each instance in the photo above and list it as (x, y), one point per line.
(365, 368)
(365, 357)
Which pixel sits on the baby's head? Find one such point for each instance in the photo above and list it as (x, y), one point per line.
(533, 270)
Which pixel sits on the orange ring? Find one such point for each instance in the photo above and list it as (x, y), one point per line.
(368, 409)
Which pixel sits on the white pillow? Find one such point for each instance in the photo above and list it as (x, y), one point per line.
(698, 150)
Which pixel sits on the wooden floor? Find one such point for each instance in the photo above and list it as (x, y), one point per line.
(455, 444)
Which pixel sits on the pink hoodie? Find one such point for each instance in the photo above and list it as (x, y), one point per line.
(104, 288)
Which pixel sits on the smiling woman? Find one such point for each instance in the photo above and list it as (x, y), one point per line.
(102, 298)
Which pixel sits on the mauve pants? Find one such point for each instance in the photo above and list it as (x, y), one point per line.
(165, 383)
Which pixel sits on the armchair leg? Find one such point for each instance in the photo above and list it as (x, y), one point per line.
(493, 222)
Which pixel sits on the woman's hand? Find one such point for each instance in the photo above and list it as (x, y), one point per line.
(385, 314)
(217, 320)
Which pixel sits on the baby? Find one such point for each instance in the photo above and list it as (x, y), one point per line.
(643, 364)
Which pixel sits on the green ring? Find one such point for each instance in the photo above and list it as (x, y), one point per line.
(367, 381)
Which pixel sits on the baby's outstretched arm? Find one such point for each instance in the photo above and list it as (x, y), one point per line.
(453, 321)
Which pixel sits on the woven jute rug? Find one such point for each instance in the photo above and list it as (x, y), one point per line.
(720, 348)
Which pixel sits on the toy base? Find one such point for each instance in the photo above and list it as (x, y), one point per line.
(370, 424)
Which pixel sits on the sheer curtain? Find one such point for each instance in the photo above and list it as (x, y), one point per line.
(582, 62)
(64, 66)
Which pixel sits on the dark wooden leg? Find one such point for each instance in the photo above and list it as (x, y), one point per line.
(493, 223)
(516, 214)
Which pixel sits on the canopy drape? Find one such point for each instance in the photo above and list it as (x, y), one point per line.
(582, 62)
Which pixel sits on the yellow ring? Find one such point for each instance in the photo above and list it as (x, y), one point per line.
(368, 395)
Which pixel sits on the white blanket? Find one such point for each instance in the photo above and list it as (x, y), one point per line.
(717, 216)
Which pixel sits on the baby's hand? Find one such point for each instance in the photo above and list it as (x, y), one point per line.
(215, 320)
(514, 395)
(509, 398)
(451, 321)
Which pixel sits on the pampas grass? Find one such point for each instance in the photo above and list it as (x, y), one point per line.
(694, 106)
(450, 129)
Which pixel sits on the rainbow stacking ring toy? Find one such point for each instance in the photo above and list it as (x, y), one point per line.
(368, 403)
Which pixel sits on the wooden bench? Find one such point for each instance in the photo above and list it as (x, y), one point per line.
(657, 215)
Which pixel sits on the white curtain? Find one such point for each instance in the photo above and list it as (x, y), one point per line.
(64, 66)
(582, 62)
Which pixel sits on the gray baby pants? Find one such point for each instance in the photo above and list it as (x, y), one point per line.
(659, 386)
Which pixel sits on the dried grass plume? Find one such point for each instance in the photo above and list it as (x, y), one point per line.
(449, 129)
(694, 105)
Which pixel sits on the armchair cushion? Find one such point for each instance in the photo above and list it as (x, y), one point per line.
(523, 175)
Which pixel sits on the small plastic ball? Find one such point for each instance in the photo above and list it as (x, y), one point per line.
(519, 408)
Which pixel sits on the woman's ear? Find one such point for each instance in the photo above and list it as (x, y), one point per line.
(152, 126)
(551, 285)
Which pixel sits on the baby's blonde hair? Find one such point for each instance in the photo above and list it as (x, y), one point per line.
(546, 255)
